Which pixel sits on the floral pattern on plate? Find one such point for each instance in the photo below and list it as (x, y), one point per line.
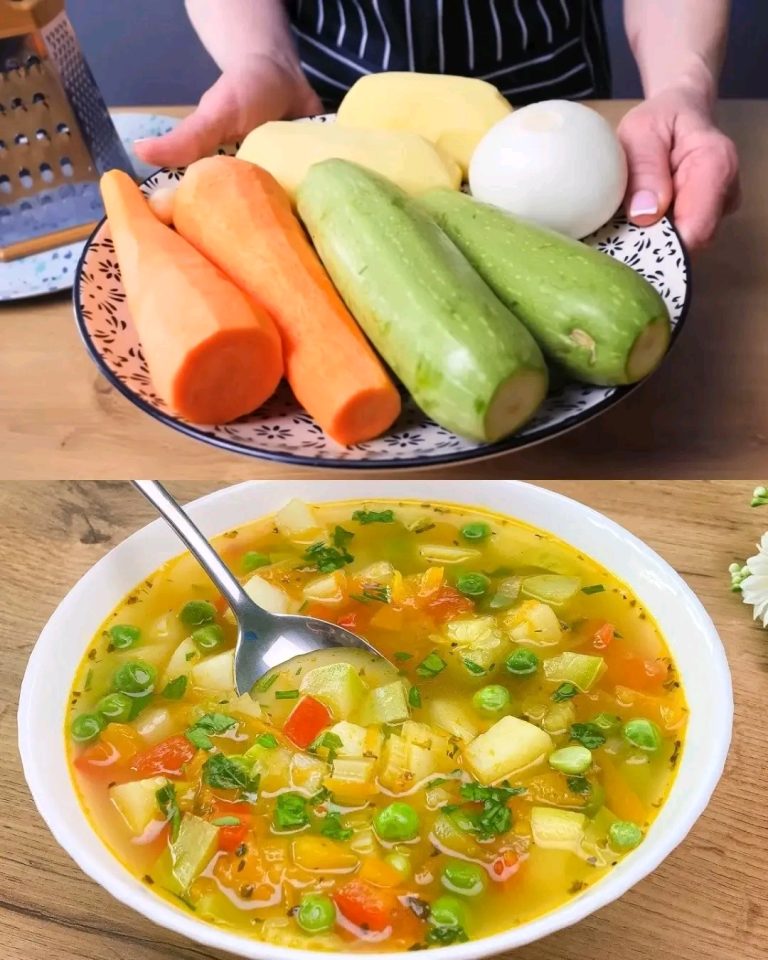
(281, 430)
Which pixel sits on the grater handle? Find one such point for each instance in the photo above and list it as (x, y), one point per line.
(19, 17)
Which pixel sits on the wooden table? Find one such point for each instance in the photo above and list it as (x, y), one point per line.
(704, 414)
(708, 901)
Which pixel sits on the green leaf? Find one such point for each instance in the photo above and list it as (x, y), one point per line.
(227, 773)
(215, 723)
(268, 740)
(414, 697)
(430, 666)
(371, 516)
(327, 559)
(176, 689)
(579, 785)
(565, 692)
(226, 822)
(595, 588)
(401, 655)
(199, 738)
(169, 807)
(332, 742)
(588, 735)
(331, 827)
(474, 667)
(252, 560)
(290, 811)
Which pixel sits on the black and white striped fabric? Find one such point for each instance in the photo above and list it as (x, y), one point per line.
(530, 49)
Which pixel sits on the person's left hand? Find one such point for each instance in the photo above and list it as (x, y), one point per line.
(679, 160)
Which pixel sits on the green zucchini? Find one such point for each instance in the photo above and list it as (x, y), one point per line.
(467, 361)
(598, 318)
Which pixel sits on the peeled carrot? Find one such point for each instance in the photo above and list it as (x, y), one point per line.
(240, 217)
(212, 354)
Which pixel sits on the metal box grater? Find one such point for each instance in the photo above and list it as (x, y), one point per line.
(56, 135)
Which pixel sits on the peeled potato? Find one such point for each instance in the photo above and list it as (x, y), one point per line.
(454, 113)
(287, 150)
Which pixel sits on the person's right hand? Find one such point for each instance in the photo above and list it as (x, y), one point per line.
(239, 101)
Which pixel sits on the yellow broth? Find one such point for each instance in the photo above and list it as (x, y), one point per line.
(500, 827)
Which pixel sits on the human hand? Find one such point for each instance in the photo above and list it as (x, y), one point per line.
(678, 159)
(239, 101)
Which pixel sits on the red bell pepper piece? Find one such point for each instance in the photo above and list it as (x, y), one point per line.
(167, 757)
(364, 905)
(308, 718)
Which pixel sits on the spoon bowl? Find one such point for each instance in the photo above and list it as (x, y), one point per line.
(264, 639)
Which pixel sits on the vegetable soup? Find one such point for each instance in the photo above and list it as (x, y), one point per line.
(515, 743)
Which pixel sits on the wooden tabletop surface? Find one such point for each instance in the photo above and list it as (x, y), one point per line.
(708, 900)
(704, 414)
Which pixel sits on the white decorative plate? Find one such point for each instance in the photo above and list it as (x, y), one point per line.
(54, 270)
(281, 430)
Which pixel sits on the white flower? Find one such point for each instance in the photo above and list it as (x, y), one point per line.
(754, 588)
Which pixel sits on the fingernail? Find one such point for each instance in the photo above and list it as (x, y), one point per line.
(644, 203)
(143, 139)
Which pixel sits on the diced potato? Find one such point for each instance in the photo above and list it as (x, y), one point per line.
(423, 735)
(167, 630)
(555, 829)
(245, 706)
(298, 521)
(352, 779)
(320, 853)
(508, 747)
(534, 623)
(216, 672)
(156, 723)
(407, 761)
(581, 669)
(387, 704)
(479, 640)
(559, 717)
(137, 802)
(272, 765)
(270, 597)
(308, 773)
(287, 150)
(330, 590)
(453, 717)
(352, 737)
(193, 848)
(551, 588)
(444, 553)
(338, 685)
(183, 659)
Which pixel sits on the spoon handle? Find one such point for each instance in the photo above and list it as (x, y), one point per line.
(197, 544)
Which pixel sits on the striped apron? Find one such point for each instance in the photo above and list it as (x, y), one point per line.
(530, 49)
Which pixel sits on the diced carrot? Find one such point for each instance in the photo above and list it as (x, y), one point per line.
(167, 757)
(364, 905)
(307, 719)
(232, 836)
(619, 797)
(603, 637)
(213, 355)
(630, 671)
(379, 873)
(445, 604)
(221, 604)
(240, 217)
(348, 621)
(116, 745)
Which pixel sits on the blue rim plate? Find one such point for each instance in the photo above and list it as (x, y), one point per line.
(281, 431)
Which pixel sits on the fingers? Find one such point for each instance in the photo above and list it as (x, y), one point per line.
(649, 190)
(707, 189)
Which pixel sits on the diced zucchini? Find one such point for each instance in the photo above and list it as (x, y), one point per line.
(338, 685)
(381, 571)
(555, 829)
(551, 588)
(478, 640)
(423, 735)
(271, 764)
(444, 553)
(270, 597)
(137, 802)
(352, 779)
(193, 848)
(156, 723)
(352, 737)
(216, 672)
(509, 746)
(535, 623)
(453, 717)
(183, 658)
(581, 669)
(320, 853)
(595, 843)
(331, 589)
(405, 763)
(387, 704)
(559, 717)
(298, 521)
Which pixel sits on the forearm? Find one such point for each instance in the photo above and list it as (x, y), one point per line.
(678, 42)
(236, 31)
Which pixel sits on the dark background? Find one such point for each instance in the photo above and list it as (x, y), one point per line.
(145, 52)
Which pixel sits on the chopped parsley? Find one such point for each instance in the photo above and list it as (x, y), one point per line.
(175, 689)
(327, 559)
(332, 742)
(589, 735)
(402, 655)
(265, 682)
(268, 740)
(495, 817)
(447, 935)
(579, 785)
(207, 726)
(595, 588)
(372, 516)
(229, 773)
(331, 827)
(431, 665)
(565, 691)
(414, 697)
(290, 812)
(373, 592)
(286, 694)
(169, 807)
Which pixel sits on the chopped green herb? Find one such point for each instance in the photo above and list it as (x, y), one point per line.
(176, 689)
(382, 594)
(210, 724)
(341, 537)
(226, 822)
(444, 936)
(474, 667)
(414, 697)
(565, 691)
(437, 782)
(331, 827)
(495, 817)
(331, 742)
(252, 560)
(228, 773)
(595, 588)
(268, 740)
(431, 665)
(290, 811)
(199, 738)
(327, 559)
(579, 785)
(286, 694)
(169, 807)
(265, 682)
(401, 655)
(372, 516)
(321, 796)
(588, 735)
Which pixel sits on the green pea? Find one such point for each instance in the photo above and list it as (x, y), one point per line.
(643, 734)
(116, 707)
(398, 821)
(475, 531)
(253, 560)
(197, 612)
(209, 637)
(123, 636)
(316, 913)
(472, 584)
(624, 835)
(87, 727)
(136, 678)
(491, 699)
(447, 912)
(522, 662)
(571, 760)
(400, 862)
(469, 879)
(607, 721)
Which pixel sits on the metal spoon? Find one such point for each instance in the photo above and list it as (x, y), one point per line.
(263, 639)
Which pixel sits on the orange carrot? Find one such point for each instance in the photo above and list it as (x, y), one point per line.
(240, 217)
(212, 354)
